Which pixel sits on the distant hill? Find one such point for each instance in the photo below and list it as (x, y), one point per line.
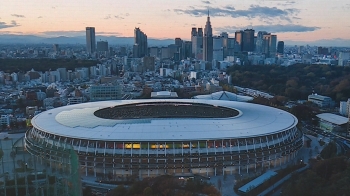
(112, 40)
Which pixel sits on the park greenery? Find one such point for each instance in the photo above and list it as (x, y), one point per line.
(268, 183)
(42, 64)
(296, 81)
(326, 177)
(162, 185)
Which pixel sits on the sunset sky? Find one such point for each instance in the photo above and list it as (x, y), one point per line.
(300, 20)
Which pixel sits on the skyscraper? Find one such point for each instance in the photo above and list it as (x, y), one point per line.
(280, 47)
(269, 45)
(90, 40)
(208, 41)
(259, 41)
(224, 36)
(248, 40)
(197, 42)
(218, 49)
(186, 49)
(140, 48)
(239, 40)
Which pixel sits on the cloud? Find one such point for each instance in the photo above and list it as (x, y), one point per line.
(62, 33)
(40, 17)
(206, 2)
(107, 17)
(18, 15)
(74, 33)
(118, 17)
(254, 11)
(270, 28)
(4, 25)
(14, 23)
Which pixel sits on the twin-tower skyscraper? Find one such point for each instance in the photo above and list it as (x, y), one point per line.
(202, 42)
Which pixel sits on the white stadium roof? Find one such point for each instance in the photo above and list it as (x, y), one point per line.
(79, 121)
(332, 118)
(224, 95)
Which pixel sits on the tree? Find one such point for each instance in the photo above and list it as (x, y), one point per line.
(87, 191)
(148, 191)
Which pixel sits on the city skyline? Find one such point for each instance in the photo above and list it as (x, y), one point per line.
(291, 20)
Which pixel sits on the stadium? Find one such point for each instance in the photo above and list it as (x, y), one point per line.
(146, 138)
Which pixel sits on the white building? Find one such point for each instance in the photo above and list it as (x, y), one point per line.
(343, 59)
(343, 108)
(74, 100)
(321, 101)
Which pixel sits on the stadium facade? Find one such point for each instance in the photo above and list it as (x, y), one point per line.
(176, 137)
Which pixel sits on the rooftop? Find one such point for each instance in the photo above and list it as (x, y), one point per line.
(79, 121)
(333, 118)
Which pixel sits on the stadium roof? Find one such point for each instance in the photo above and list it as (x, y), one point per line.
(332, 118)
(224, 95)
(79, 121)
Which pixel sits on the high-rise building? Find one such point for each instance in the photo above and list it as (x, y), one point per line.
(178, 42)
(280, 47)
(239, 40)
(218, 49)
(259, 41)
(186, 49)
(248, 40)
(140, 48)
(269, 45)
(231, 43)
(224, 36)
(102, 46)
(90, 40)
(197, 42)
(208, 41)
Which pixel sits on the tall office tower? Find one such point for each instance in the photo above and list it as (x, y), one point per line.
(178, 42)
(239, 40)
(269, 45)
(199, 46)
(280, 47)
(208, 41)
(90, 40)
(194, 34)
(197, 42)
(259, 41)
(231, 43)
(140, 48)
(248, 40)
(218, 49)
(224, 36)
(102, 46)
(186, 49)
